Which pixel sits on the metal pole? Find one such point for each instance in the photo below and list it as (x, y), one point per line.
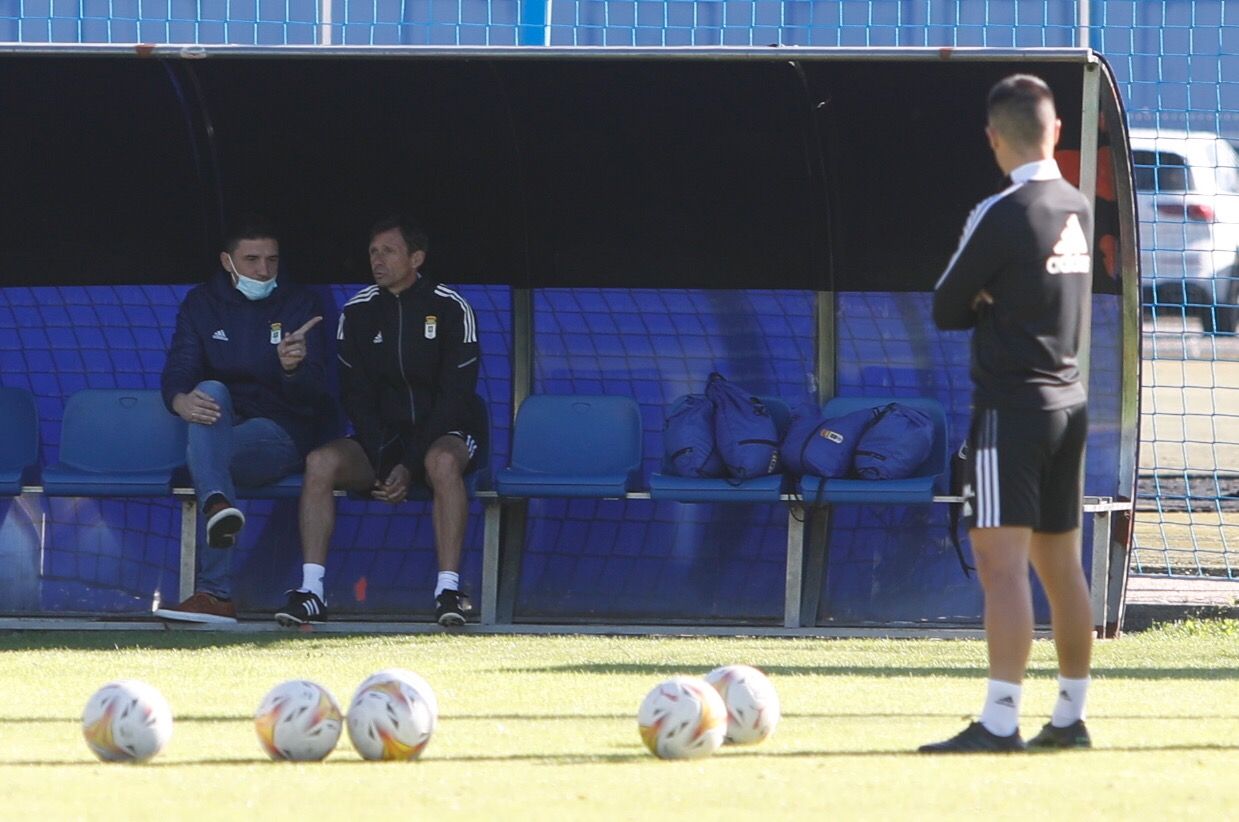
(1090, 115)
(1083, 23)
(324, 23)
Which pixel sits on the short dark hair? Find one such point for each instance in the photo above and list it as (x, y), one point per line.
(249, 227)
(1021, 108)
(414, 233)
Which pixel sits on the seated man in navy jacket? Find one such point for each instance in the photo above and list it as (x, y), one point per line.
(247, 371)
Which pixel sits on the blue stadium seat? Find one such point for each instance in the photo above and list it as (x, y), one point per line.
(574, 446)
(672, 488)
(116, 443)
(919, 488)
(19, 446)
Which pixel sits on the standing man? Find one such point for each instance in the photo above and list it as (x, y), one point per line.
(247, 371)
(1021, 280)
(408, 378)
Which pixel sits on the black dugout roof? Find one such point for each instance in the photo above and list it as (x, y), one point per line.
(784, 168)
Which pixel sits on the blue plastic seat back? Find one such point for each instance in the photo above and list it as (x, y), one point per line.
(585, 435)
(121, 431)
(19, 447)
(939, 457)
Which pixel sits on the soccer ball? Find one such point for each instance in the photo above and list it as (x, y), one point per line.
(682, 718)
(127, 721)
(298, 720)
(752, 703)
(392, 716)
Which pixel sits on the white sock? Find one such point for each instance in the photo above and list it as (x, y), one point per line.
(1072, 694)
(312, 580)
(448, 581)
(1001, 715)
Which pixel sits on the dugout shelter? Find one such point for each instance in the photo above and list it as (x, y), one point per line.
(624, 221)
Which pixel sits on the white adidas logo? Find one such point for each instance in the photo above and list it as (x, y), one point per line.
(378, 338)
(1071, 253)
(220, 335)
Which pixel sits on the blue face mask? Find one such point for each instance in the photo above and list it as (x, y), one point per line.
(251, 288)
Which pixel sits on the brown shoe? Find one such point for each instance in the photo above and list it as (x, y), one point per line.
(201, 607)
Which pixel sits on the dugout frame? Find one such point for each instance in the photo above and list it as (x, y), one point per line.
(1086, 72)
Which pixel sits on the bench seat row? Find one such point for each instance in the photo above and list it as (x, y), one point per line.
(124, 443)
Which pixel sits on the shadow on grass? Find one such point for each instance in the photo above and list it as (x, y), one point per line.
(628, 717)
(35, 720)
(178, 639)
(881, 671)
(635, 756)
(172, 639)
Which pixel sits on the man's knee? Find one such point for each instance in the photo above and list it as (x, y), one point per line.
(215, 389)
(443, 465)
(994, 570)
(322, 465)
(1001, 555)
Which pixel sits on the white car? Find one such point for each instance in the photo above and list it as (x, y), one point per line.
(1187, 197)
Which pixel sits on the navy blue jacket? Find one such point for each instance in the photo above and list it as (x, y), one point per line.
(221, 335)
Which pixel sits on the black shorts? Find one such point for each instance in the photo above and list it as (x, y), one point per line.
(396, 449)
(1024, 468)
(398, 446)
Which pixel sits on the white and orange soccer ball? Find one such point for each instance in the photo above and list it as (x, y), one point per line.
(682, 718)
(752, 703)
(127, 721)
(392, 716)
(299, 721)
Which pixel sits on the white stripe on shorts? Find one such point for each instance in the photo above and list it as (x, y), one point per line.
(989, 500)
(471, 444)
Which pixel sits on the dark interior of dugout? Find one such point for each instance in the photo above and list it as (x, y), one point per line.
(529, 171)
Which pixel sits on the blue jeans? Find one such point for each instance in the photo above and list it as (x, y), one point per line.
(220, 457)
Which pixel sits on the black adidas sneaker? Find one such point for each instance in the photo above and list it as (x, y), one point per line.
(303, 607)
(976, 739)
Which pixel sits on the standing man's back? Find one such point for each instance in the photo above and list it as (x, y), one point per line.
(1021, 279)
(1028, 248)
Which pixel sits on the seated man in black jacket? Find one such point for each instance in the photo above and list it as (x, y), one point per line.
(247, 371)
(408, 351)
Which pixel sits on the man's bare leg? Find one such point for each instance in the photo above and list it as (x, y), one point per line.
(338, 464)
(1002, 556)
(445, 462)
(1056, 559)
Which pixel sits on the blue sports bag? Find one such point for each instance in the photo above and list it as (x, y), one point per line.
(745, 433)
(688, 439)
(824, 447)
(895, 444)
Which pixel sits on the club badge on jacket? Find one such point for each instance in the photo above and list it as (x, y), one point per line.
(432, 323)
(277, 333)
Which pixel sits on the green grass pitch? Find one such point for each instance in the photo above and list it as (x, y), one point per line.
(544, 727)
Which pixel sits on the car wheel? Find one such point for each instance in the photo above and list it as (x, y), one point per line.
(1224, 318)
(1219, 313)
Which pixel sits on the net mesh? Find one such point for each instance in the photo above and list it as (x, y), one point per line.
(1177, 63)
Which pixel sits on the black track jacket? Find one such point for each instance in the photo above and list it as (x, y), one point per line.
(1029, 247)
(409, 366)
